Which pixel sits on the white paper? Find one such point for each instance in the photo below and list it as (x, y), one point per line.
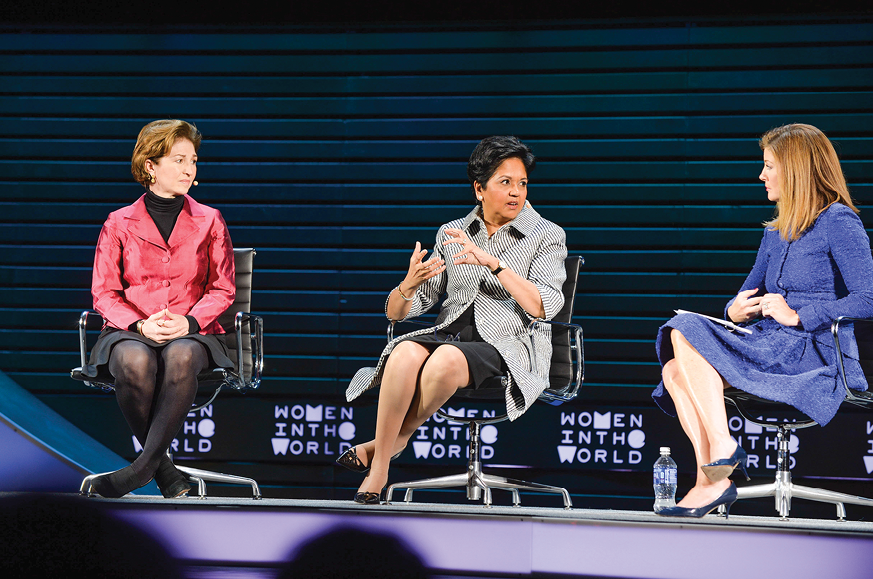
(724, 323)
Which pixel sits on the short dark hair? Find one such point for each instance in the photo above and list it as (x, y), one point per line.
(491, 152)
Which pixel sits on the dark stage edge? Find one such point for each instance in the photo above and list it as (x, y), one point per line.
(241, 537)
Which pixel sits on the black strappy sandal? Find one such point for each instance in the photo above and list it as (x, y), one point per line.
(349, 459)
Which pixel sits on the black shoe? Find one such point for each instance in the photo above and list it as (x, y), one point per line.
(117, 484)
(368, 498)
(172, 482)
(349, 459)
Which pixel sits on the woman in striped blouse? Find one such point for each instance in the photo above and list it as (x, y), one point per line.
(500, 267)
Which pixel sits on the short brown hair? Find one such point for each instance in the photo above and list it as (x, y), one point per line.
(812, 179)
(155, 141)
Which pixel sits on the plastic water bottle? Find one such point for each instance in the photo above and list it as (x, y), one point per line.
(665, 480)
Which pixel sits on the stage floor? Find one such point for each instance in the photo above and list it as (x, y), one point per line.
(241, 537)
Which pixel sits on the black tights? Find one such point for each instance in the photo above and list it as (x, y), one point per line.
(155, 410)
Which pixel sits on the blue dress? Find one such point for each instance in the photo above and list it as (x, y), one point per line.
(826, 273)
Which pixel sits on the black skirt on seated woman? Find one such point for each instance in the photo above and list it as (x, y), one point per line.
(98, 362)
(483, 359)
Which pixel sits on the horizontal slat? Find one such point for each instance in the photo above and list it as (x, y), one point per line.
(657, 59)
(576, 35)
(381, 215)
(395, 259)
(513, 59)
(388, 172)
(440, 84)
(577, 238)
(445, 106)
(546, 150)
(672, 282)
(315, 41)
(591, 194)
(572, 126)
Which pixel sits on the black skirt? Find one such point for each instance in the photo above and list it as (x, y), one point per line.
(483, 359)
(99, 360)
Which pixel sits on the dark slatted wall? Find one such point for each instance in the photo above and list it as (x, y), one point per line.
(333, 152)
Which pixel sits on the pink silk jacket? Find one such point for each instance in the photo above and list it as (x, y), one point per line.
(136, 274)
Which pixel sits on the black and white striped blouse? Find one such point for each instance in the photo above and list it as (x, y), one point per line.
(529, 245)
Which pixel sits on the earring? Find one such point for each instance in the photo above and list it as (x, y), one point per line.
(151, 178)
(480, 198)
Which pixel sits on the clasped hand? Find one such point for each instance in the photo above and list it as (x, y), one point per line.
(747, 307)
(165, 326)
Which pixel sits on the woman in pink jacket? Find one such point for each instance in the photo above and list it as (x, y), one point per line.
(163, 273)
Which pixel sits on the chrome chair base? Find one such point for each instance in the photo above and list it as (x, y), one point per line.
(195, 475)
(478, 486)
(783, 490)
(477, 483)
(85, 488)
(199, 477)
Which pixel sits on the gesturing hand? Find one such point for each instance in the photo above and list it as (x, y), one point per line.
(774, 306)
(165, 326)
(421, 271)
(745, 307)
(469, 252)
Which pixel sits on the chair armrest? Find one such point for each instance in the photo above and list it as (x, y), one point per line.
(83, 328)
(577, 349)
(256, 334)
(835, 332)
(83, 343)
(390, 331)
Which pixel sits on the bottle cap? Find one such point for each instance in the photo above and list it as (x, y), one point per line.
(665, 450)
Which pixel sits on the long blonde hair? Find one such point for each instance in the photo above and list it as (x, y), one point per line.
(811, 177)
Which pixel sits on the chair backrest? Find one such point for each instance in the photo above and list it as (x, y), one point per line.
(243, 260)
(561, 371)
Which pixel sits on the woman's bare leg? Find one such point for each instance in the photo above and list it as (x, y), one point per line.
(698, 393)
(399, 380)
(443, 372)
(704, 490)
(705, 387)
(399, 383)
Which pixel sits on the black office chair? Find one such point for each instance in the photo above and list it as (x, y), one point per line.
(782, 489)
(243, 329)
(566, 374)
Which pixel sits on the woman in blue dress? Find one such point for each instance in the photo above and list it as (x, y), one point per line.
(813, 265)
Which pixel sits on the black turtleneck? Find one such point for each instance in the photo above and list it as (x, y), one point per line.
(164, 212)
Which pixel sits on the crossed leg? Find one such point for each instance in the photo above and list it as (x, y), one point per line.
(415, 384)
(697, 391)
